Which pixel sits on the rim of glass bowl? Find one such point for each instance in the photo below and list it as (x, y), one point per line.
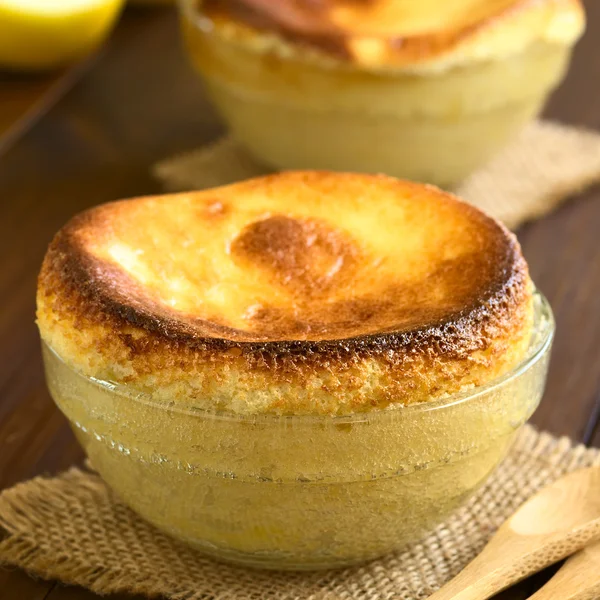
(541, 340)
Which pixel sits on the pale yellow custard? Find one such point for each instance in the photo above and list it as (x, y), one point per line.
(299, 492)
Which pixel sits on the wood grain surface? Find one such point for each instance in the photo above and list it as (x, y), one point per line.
(24, 98)
(140, 102)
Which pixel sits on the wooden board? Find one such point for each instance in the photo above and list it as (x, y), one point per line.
(140, 103)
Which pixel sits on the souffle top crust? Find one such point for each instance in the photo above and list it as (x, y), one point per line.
(295, 293)
(420, 34)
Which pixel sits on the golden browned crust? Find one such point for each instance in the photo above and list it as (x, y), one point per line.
(401, 32)
(302, 292)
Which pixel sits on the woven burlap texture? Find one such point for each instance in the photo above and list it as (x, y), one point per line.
(74, 529)
(543, 166)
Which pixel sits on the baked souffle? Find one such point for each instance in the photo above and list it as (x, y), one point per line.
(296, 293)
(426, 90)
(428, 34)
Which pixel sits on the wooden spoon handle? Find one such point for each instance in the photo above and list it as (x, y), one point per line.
(506, 561)
(555, 523)
(577, 579)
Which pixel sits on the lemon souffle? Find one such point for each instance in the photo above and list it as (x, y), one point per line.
(302, 342)
(426, 90)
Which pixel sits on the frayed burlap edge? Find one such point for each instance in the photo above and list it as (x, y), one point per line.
(74, 529)
(546, 164)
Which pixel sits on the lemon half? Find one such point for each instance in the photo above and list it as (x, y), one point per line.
(42, 34)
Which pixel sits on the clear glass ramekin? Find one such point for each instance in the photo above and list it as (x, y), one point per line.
(294, 111)
(300, 492)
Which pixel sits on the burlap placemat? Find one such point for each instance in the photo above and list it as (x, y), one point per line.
(74, 529)
(543, 166)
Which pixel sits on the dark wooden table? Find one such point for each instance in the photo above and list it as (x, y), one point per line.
(91, 135)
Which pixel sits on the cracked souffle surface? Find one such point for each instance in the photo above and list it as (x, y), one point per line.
(295, 293)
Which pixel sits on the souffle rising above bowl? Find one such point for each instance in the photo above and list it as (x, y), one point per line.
(428, 90)
(305, 370)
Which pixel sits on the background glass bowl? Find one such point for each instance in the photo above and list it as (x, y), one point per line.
(293, 110)
(300, 492)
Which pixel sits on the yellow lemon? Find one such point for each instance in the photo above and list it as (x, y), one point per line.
(41, 34)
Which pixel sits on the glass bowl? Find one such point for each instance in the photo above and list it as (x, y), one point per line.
(300, 492)
(293, 110)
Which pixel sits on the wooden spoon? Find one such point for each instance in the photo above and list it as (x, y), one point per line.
(555, 523)
(577, 579)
